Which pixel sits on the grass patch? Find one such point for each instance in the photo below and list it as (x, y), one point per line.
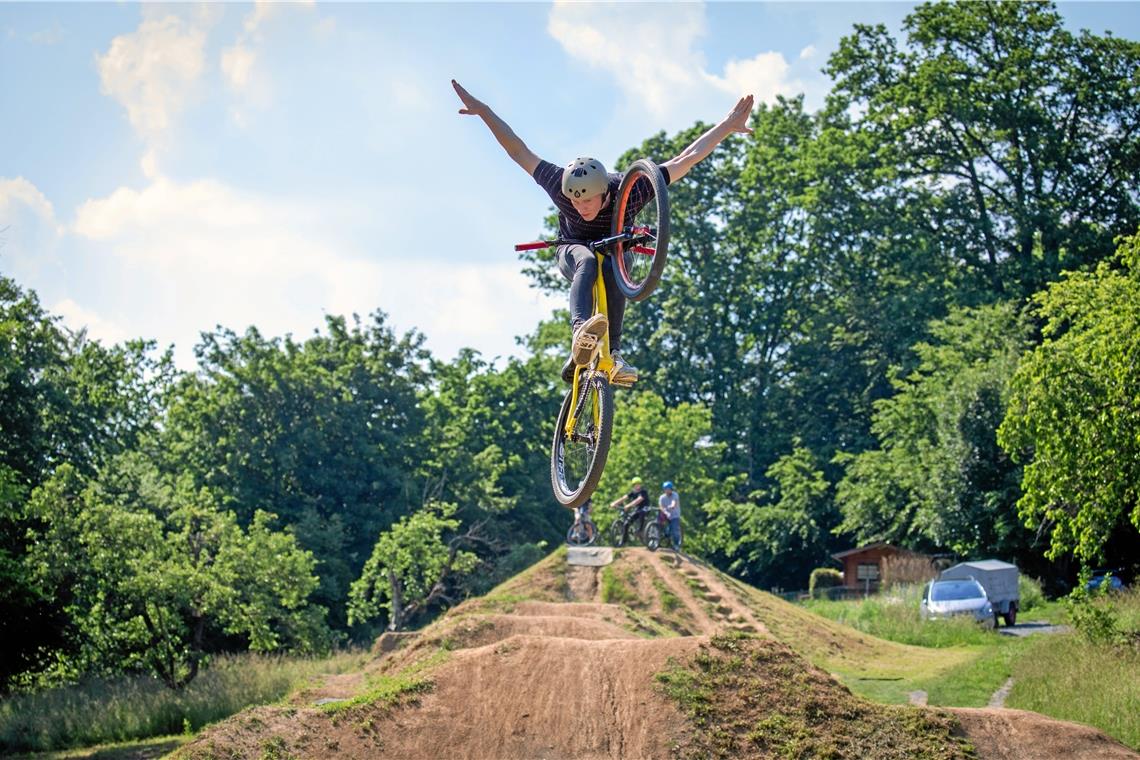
(669, 600)
(384, 691)
(616, 588)
(101, 711)
(142, 749)
(751, 696)
(1070, 678)
(894, 616)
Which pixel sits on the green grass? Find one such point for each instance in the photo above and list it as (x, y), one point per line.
(102, 711)
(894, 616)
(616, 588)
(143, 749)
(1094, 682)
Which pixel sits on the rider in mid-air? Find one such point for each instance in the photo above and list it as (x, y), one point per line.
(582, 192)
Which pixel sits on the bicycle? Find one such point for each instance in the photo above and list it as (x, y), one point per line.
(638, 245)
(583, 532)
(622, 529)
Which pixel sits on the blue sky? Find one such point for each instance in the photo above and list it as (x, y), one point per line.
(165, 168)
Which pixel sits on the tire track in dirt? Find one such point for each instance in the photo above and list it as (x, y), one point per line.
(727, 609)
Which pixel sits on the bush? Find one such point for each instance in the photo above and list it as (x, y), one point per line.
(822, 578)
(1029, 589)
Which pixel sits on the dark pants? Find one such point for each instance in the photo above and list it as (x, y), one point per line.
(578, 265)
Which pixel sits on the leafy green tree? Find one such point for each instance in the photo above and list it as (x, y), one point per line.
(657, 443)
(63, 399)
(1074, 413)
(155, 576)
(325, 434)
(412, 567)
(938, 478)
(784, 532)
(1027, 135)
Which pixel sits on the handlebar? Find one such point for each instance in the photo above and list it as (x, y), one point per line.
(636, 234)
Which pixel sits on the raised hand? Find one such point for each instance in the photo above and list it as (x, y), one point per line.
(737, 119)
(472, 106)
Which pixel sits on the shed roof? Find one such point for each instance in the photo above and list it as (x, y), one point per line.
(986, 564)
(868, 547)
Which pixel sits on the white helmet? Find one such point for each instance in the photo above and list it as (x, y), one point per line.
(584, 177)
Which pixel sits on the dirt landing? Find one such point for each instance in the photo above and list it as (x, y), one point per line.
(1000, 734)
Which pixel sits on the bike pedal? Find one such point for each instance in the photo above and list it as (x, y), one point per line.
(623, 382)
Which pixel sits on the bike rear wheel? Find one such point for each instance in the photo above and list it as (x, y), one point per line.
(641, 206)
(653, 536)
(578, 456)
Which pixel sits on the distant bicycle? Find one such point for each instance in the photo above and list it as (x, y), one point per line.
(583, 532)
(632, 525)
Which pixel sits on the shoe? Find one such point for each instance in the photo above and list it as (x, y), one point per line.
(587, 337)
(623, 370)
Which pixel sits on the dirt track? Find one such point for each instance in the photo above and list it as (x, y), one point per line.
(564, 675)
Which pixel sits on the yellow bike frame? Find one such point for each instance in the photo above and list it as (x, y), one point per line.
(604, 362)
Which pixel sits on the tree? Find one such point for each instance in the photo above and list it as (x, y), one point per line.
(155, 576)
(785, 532)
(325, 434)
(938, 479)
(1074, 413)
(1026, 135)
(63, 399)
(411, 567)
(658, 443)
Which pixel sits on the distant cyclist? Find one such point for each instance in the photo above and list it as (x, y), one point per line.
(637, 499)
(669, 507)
(582, 191)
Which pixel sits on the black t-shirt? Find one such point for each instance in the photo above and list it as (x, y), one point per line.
(644, 497)
(571, 225)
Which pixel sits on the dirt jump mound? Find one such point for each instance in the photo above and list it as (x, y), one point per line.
(647, 657)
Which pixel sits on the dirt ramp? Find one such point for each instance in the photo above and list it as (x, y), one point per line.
(523, 697)
(544, 697)
(1000, 734)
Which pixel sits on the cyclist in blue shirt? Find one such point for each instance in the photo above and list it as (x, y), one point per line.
(582, 192)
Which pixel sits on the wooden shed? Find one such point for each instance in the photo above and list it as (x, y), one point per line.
(864, 566)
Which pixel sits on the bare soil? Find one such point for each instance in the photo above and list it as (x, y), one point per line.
(543, 667)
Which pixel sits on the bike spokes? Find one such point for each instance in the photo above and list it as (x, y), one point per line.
(581, 440)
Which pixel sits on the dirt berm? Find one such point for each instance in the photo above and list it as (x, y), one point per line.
(677, 661)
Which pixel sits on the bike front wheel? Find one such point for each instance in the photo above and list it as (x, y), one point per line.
(641, 208)
(582, 535)
(652, 536)
(616, 537)
(582, 439)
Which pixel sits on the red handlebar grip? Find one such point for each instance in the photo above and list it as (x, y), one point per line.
(532, 246)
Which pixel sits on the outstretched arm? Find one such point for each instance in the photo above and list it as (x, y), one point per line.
(736, 121)
(511, 143)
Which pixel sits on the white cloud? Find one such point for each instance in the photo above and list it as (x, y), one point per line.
(204, 253)
(652, 52)
(30, 233)
(77, 318)
(20, 192)
(237, 65)
(153, 71)
(808, 52)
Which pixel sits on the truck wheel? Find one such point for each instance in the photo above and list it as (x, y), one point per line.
(1011, 616)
